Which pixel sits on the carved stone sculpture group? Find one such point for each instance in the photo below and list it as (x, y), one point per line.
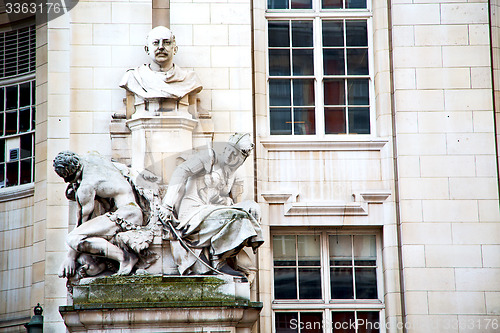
(121, 210)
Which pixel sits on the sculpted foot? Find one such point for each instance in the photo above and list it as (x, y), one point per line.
(68, 268)
(127, 264)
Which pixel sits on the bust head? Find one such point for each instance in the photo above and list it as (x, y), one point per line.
(67, 165)
(161, 47)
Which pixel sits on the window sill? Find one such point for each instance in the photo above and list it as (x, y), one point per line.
(17, 192)
(308, 144)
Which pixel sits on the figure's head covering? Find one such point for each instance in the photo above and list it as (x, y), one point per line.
(242, 142)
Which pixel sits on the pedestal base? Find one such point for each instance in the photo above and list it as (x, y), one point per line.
(161, 303)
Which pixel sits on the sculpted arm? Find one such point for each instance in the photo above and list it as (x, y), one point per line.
(193, 166)
(85, 198)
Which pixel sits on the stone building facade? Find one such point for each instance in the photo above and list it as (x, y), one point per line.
(376, 161)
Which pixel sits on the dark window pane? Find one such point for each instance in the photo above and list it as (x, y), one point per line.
(356, 34)
(2, 150)
(10, 122)
(331, 4)
(279, 62)
(24, 94)
(304, 121)
(284, 321)
(277, 4)
(26, 171)
(33, 117)
(302, 34)
(11, 97)
(355, 3)
(333, 33)
(285, 283)
(279, 34)
(279, 92)
(341, 283)
(358, 92)
(365, 251)
(366, 283)
(284, 250)
(309, 250)
(312, 322)
(309, 283)
(302, 62)
(334, 90)
(303, 92)
(333, 62)
(357, 61)
(342, 322)
(12, 173)
(335, 120)
(2, 99)
(281, 121)
(2, 114)
(301, 4)
(2, 175)
(26, 145)
(359, 120)
(370, 320)
(24, 120)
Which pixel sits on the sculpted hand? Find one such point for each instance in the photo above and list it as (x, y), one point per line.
(68, 268)
(165, 213)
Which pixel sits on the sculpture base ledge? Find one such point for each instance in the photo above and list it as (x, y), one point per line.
(227, 317)
(161, 303)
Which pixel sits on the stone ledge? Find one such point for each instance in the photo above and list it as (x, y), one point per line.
(162, 319)
(144, 290)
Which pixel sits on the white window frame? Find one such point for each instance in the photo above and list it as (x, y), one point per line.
(327, 305)
(317, 15)
(16, 81)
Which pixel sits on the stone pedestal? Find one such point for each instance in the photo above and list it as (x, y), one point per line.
(158, 140)
(161, 304)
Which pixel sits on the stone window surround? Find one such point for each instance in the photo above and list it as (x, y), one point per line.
(317, 15)
(327, 306)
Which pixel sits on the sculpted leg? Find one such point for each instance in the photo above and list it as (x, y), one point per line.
(91, 237)
(101, 247)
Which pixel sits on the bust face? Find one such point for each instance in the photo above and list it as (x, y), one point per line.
(161, 45)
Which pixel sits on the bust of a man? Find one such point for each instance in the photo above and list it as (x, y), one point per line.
(161, 79)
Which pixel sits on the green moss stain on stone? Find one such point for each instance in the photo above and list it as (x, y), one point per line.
(179, 290)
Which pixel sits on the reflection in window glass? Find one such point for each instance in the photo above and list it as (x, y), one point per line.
(12, 173)
(304, 121)
(11, 97)
(26, 171)
(24, 94)
(302, 34)
(281, 121)
(10, 122)
(279, 62)
(353, 267)
(302, 278)
(300, 322)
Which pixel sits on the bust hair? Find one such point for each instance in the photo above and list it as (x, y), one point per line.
(66, 164)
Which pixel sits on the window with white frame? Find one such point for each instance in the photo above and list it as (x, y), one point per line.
(326, 282)
(17, 106)
(319, 73)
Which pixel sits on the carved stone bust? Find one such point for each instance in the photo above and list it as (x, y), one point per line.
(162, 79)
